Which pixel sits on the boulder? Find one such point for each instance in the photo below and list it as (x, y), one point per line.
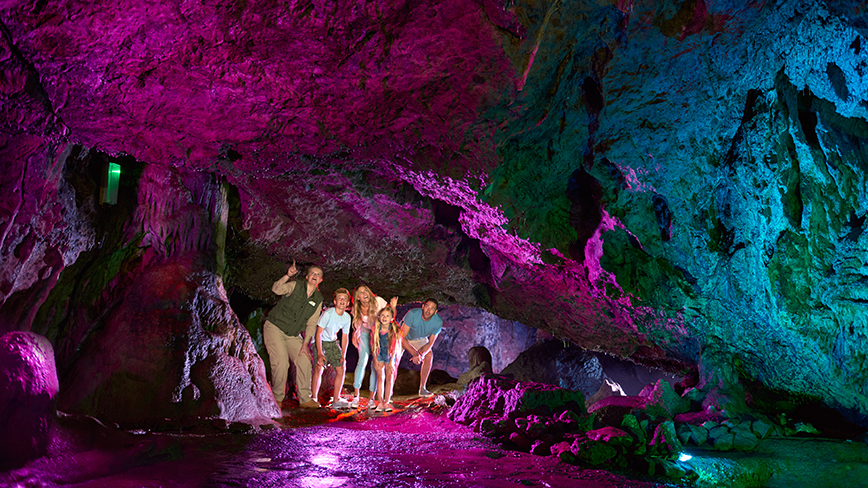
(28, 387)
(658, 401)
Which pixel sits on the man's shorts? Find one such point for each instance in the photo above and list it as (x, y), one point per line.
(418, 343)
(332, 353)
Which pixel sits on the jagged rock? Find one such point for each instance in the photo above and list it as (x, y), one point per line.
(665, 441)
(612, 435)
(658, 401)
(172, 349)
(499, 397)
(28, 386)
(663, 402)
(593, 452)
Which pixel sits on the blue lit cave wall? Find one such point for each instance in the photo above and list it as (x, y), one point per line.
(678, 182)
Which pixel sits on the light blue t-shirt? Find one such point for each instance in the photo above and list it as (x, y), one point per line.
(331, 323)
(420, 328)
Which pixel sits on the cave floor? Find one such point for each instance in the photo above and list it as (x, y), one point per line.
(414, 446)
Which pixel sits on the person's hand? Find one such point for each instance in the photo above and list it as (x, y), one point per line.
(321, 360)
(394, 303)
(292, 269)
(417, 359)
(357, 336)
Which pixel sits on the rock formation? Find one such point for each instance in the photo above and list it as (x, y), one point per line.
(28, 390)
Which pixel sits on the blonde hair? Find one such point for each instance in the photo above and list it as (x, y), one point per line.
(357, 306)
(375, 332)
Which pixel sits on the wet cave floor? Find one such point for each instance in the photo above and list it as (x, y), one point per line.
(414, 446)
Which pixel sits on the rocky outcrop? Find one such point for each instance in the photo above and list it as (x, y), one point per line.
(28, 389)
(172, 349)
(465, 328)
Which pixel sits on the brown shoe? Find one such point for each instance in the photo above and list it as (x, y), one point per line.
(310, 404)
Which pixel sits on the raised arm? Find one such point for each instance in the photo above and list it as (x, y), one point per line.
(283, 286)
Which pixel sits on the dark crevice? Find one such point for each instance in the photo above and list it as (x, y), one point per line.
(857, 227)
(807, 117)
(664, 216)
(839, 81)
(584, 193)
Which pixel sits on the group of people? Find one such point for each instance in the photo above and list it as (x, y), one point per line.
(297, 320)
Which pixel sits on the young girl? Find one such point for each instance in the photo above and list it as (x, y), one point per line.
(365, 307)
(384, 339)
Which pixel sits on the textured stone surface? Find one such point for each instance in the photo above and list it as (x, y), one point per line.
(501, 398)
(28, 387)
(551, 362)
(465, 328)
(173, 348)
(678, 182)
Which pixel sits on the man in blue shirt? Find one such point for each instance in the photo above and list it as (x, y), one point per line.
(419, 330)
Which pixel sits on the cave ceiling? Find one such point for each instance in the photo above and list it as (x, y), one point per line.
(678, 182)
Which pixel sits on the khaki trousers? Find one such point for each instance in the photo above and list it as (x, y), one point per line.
(281, 350)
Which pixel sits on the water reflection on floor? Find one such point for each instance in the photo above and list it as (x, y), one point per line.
(415, 446)
(409, 448)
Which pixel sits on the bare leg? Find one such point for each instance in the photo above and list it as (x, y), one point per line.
(380, 381)
(339, 382)
(426, 369)
(397, 361)
(314, 384)
(390, 384)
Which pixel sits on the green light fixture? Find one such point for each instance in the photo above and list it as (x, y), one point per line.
(111, 177)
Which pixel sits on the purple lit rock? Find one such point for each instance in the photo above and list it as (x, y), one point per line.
(494, 396)
(28, 387)
(172, 349)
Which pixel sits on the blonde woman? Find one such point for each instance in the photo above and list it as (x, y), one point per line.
(365, 308)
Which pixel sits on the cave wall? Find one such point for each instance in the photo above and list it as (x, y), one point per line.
(680, 182)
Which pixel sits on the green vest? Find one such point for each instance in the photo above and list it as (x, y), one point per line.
(292, 311)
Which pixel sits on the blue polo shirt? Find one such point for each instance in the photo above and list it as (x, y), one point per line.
(420, 328)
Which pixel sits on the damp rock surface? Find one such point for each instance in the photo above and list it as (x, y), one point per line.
(28, 391)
